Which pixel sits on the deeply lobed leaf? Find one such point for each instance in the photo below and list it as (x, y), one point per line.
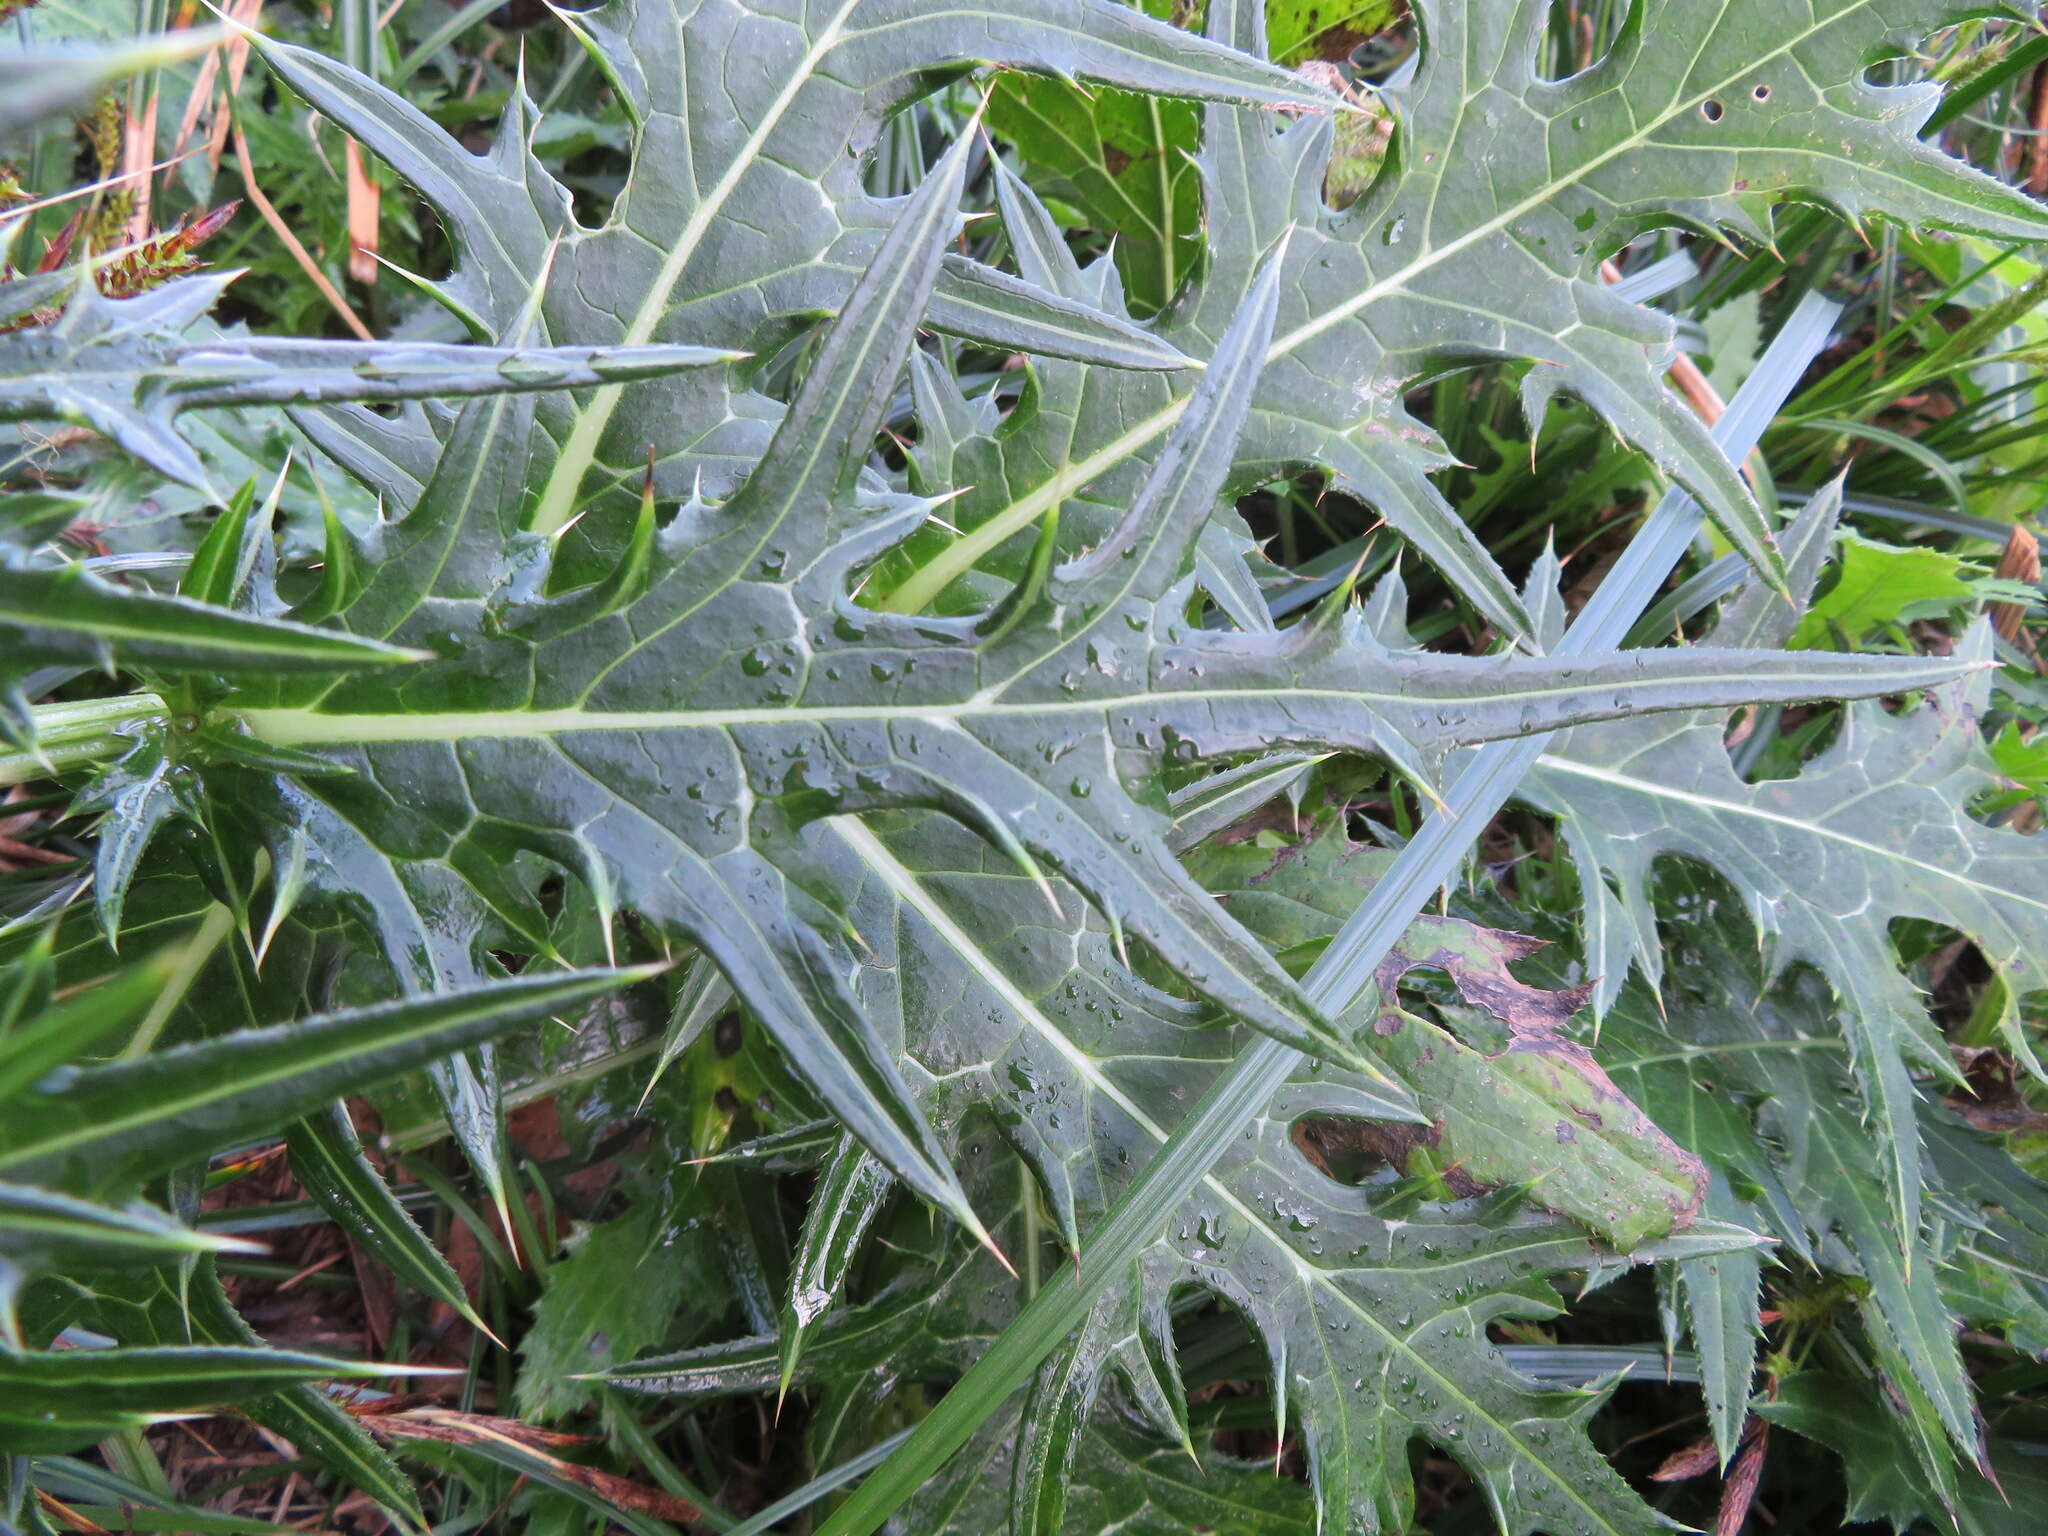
(1704, 114)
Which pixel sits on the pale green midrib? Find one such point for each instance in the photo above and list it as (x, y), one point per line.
(925, 584)
(579, 451)
(906, 885)
(233, 1087)
(306, 727)
(233, 1365)
(95, 712)
(1715, 804)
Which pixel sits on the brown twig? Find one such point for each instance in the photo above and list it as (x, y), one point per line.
(313, 1269)
(246, 13)
(1695, 1460)
(364, 198)
(138, 152)
(283, 231)
(27, 853)
(18, 821)
(202, 92)
(526, 1441)
(1684, 374)
(2020, 562)
(68, 1517)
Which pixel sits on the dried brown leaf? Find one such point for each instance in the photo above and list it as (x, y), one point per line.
(528, 1442)
(1695, 1460)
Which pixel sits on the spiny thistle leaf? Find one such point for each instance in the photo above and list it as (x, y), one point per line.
(1372, 1308)
(1482, 239)
(1876, 827)
(744, 207)
(125, 367)
(114, 1126)
(1730, 1049)
(920, 849)
(722, 654)
(64, 1400)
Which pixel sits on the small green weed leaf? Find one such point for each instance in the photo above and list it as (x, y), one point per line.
(948, 1302)
(227, 556)
(1878, 584)
(626, 1286)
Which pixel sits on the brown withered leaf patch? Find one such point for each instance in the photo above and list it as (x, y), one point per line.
(1561, 1071)
(1526, 1104)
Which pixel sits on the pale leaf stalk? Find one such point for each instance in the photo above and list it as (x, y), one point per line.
(76, 735)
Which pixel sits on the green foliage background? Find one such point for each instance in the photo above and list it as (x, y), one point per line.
(1021, 768)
